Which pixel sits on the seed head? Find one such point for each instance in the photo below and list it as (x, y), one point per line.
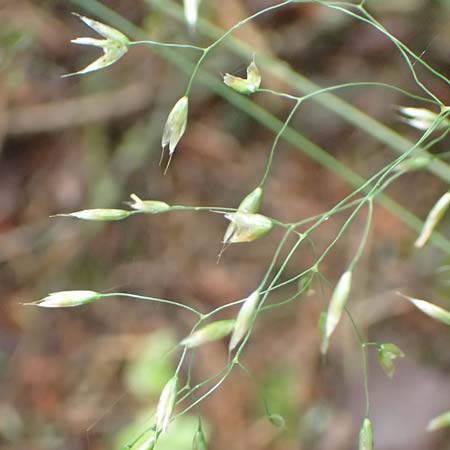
(247, 85)
(420, 118)
(114, 46)
(431, 310)
(100, 214)
(148, 206)
(244, 319)
(277, 420)
(435, 215)
(63, 299)
(199, 441)
(250, 204)
(386, 355)
(246, 227)
(441, 421)
(336, 307)
(175, 126)
(191, 12)
(252, 201)
(166, 405)
(366, 435)
(209, 333)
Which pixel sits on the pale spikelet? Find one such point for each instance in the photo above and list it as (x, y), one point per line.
(65, 299)
(175, 126)
(100, 214)
(246, 227)
(104, 30)
(250, 204)
(252, 201)
(247, 85)
(435, 215)
(431, 310)
(387, 353)
(244, 319)
(199, 441)
(166, 405)
(114, 46)
(148, 206)
(336, 307)
(420, 118)
(366, 435)
(441, 421)
(277, 420)
(209, 333)
(191, 12)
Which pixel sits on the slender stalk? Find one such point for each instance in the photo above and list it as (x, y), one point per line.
(275, 143)
(345, 86)
(401, 47)
(165, 44)
(152, 299)
(406, 49)
(289, 299)
(208, 392)
(363, 346)
(200, 385)
(255, 383)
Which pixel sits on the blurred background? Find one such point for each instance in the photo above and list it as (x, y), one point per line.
(90, 377)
